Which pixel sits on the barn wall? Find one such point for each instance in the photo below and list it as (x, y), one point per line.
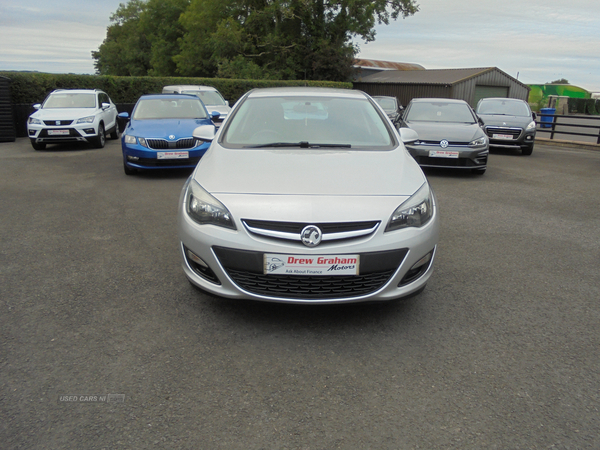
(405, 92)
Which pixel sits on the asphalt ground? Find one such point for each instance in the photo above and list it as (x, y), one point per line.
(105, 345)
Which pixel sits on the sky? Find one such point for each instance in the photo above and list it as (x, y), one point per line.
(535, 41)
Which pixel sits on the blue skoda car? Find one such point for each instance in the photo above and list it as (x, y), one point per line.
(159, 133)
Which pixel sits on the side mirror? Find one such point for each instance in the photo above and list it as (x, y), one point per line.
(123, 115)
(226, 102)
(481, 122)
(533, 115)
(215, 115)
(37, 106)
(408, 136)
(204, 133)
(105, 105)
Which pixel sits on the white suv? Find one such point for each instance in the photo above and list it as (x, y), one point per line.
(73, 115)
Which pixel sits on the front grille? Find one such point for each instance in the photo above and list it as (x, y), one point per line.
(150, 162)
(245, 268)
(72, 133)
(181, 144)
(514, 132)
(292, 230)
(450, 144)
(308, 287)
(445, 162)
(62, 123)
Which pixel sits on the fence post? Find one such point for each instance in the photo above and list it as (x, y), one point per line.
(553, 126)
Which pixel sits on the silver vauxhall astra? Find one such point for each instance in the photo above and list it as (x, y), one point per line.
(308, 195)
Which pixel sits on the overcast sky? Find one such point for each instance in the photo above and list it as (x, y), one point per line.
(537, 41)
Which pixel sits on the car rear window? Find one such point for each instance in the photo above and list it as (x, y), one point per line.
(328, 121)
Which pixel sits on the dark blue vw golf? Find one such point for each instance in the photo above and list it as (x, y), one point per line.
(159, 133)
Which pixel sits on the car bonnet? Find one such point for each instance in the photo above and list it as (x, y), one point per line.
(454, 132)
(309, 172)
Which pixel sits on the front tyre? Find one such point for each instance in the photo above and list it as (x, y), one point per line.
(37, 146)
(128, 170)
(100, 139)
(527, 150)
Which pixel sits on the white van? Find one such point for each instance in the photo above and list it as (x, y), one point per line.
(212, 99)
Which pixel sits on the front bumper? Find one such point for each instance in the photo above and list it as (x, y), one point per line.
(510, 137)
(62, 134)
(136, 156)
(457, 157)
(230, 263)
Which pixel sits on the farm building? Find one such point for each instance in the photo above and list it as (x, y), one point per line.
(470, 85)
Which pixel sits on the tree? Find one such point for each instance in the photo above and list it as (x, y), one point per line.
(284, 39)
(125, 51)
(559, 81)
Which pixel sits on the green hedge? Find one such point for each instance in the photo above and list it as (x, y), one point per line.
(33, 87)
(584, 106)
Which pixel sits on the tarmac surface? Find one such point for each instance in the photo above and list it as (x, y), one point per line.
(105, 345)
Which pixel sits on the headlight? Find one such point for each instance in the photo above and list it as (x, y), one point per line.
(531, 126)
(89, 119)
(204, 209)
(129, 139)
(35, 121)
(414, 212)
(478, 142)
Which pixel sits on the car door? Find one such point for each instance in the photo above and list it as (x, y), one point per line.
(109, 115)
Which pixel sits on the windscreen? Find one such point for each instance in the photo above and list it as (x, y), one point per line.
(503, 107)
(181, 108)
(70, 100)
(312, 121)
(440, 112)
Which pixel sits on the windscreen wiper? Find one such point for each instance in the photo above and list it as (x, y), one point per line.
(301, 144)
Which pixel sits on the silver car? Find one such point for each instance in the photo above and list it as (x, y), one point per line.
(307, 195)
(450, 134)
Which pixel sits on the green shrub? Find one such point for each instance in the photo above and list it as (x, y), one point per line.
(33, 87)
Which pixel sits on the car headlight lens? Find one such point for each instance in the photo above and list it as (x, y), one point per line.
(414, 212)
(88, 119)
(478, 142)
(142, 142)
(531, 126)
(35, 121)
(129, 139)
(204, 209)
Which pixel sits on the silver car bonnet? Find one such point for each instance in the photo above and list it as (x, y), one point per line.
(454, 132)
(328, 172)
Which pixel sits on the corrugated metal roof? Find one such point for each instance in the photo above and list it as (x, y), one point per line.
(386, 65)
(431, 76)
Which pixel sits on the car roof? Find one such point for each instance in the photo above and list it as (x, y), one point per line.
(503, 99)
(306, 91)
(76, 91)
(167, 96)
(191, 87)
(435, 100)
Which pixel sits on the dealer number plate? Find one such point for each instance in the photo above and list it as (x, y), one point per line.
(502, 136)
(58, 132)
(443, 154)
(311, 265)
(173, 155)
